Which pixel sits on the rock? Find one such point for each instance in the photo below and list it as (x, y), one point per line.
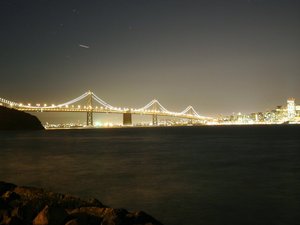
(116, 217)
(10, 196)
(14, 221)
(4, 216)
(50, 215)
(74, 222)
(4, 187)
(7, 219)
(35, 206)
(87, 215)
(12, 119)
(95, 202)
(110, 216)
(143, 218)
(3, 204)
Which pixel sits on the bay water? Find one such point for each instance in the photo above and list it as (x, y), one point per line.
(210, 175)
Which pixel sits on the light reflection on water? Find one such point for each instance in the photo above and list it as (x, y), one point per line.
(179, 175)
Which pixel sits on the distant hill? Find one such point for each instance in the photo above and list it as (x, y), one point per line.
(11, 119)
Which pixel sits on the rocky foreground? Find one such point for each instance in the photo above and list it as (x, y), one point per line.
(27, 205)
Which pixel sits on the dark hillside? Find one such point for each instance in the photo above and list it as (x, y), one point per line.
(11, 119)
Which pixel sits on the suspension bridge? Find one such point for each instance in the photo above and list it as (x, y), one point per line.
(94, 104)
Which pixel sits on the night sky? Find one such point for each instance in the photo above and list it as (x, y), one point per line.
(219, 56)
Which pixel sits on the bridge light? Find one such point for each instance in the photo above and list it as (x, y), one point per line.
(67, 106)
(79, 106)
(38, 105)
(45, 105)
(29, 104)
(53, 105)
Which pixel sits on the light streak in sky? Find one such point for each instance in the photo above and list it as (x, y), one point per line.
(83, 46)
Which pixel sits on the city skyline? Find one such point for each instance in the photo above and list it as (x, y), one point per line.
(221, 57)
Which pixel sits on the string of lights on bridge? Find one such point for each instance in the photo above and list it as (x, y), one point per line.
(153, 107)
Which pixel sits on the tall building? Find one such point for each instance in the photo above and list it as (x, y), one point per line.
(291, 108)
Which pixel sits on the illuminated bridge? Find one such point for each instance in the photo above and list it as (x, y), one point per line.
(94, 104)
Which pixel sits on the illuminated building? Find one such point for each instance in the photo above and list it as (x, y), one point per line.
(281, 114)
(291, 108)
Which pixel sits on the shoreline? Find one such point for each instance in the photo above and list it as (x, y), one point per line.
(137, 127)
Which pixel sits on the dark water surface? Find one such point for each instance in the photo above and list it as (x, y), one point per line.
(181, 176)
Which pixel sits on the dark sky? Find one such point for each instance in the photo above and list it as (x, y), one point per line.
(219, 56)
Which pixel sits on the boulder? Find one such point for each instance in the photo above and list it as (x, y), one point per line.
(74, 222)
(10, 196)
(4, 187)
(51, 215)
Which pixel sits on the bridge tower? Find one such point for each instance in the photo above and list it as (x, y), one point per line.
(127, 119)
(155, 107)
(154, 116)
(154, 120)
(89, 114)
